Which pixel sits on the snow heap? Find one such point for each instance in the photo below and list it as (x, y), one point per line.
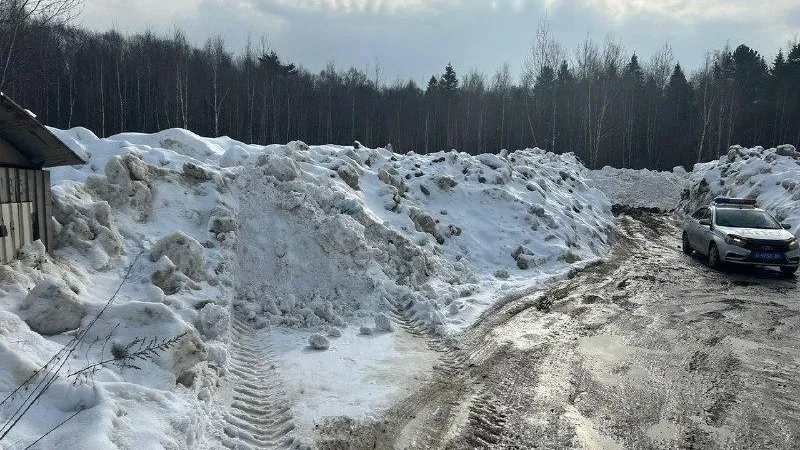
(143, 202)
(772, 176)
(641, 188)
(334, 233)
(314, 238)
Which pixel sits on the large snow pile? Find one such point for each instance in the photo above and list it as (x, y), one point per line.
(641, 188)
(309, 238)
(334, 233)
(138, 206)
(772, 176)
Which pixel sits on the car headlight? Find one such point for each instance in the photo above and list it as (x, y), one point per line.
(738, 241)
(793, 244)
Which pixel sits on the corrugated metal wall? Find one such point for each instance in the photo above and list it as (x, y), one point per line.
(25, 210)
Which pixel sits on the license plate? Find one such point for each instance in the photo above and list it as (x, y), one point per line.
(762, 256)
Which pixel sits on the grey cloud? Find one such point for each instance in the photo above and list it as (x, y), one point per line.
(482, 34)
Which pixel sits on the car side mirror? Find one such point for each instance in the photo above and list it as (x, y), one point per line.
(786, 226)
(705, 222)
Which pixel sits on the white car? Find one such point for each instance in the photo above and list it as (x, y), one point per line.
(734, 231)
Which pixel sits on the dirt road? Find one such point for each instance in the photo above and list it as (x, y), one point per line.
(649, 350)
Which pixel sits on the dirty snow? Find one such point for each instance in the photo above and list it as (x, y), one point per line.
(433, 229)
(641, 188)
(297, 239)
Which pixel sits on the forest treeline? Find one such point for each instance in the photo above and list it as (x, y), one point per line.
(605, 105)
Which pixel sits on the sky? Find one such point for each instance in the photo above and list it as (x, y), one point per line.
(417, 38)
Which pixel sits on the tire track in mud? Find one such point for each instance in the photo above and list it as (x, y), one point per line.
(486, 424)
(486, 391)
(256, 414)
(462, 407)
(485, 417)
(453, 360)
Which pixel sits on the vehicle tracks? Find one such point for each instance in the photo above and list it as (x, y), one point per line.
(648, 350)
(458, 376)
(253, 413)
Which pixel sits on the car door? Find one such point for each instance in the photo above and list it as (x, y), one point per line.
(704, 231)
(693, 228)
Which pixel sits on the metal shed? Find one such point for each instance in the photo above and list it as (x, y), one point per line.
(26, 148)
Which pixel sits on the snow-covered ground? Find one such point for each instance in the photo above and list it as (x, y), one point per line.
(291, 239)
(641, 188)
(772, 176)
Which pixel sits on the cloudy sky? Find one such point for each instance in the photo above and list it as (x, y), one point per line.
(416, 38)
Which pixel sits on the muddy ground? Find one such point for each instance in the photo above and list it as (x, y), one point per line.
(649, 350)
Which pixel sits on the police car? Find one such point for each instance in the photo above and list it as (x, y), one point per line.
(735, 231)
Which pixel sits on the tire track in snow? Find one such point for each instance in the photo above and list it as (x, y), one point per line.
(256, 414)
(453, 360)
(486, 418)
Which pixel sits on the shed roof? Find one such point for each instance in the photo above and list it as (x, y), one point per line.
(32, 139)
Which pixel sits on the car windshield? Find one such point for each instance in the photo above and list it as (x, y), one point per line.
(746, 218)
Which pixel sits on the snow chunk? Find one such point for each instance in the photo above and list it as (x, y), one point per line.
(341, 233)
(280, 167)
(184, 251)
(234, 156)
(51, 307)
(222, 224)
(446, 183)
(335, 332)
(214, 321)
(425, 223)
(382, 323)
(189, 352)
(318, 342)
(85, 224)
(787, 150)
(166, 277)
(492, 161)
(198, 173)
(502, 274)
(129, 183)
(349, 176)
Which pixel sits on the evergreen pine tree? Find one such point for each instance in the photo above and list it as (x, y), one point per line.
(679, 98)
(779, 64)
(546, 78)
(633, 71)
(449, 81)
(433, 85)
(564, 74)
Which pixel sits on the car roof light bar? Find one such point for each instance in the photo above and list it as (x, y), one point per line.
(735, 201)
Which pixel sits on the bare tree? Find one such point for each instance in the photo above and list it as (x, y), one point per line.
(501, 84)
(608, 84)
(18, 17)
(703, 85)
(658, 70)
(474, 86)
(545, 51)
(545, 54)
(215, 49)
(182, 51)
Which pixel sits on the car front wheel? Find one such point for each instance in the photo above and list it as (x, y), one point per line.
(687, 247)
(713, 257)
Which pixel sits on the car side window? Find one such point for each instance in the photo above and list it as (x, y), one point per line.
(698, 214)
(706, 213)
